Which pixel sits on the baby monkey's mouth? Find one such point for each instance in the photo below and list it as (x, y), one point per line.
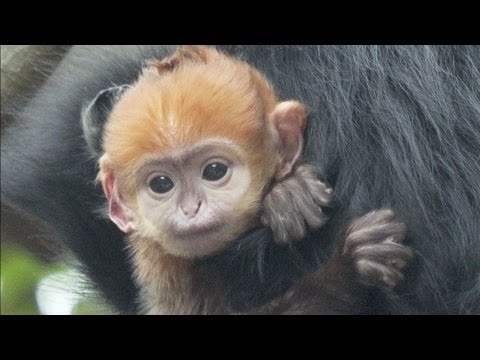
(198, 228)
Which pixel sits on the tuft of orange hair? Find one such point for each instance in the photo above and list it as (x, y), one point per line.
(197, 93)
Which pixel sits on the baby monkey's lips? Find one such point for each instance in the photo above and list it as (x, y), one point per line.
(198, 228)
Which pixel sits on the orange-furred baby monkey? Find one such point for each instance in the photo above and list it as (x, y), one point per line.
(196, 152)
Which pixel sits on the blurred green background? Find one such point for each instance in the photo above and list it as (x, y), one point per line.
(30, 286)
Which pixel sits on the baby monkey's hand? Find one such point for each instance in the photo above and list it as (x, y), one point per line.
(295, 202)
(374, 243)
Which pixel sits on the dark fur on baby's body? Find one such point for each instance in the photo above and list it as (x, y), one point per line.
(390, 127)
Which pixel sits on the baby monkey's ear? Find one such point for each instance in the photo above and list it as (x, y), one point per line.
(289, 119)
(118, 212)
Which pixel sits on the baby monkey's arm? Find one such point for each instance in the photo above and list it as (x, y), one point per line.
(371, 255)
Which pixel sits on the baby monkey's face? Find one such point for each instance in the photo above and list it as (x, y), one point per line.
(190, 148)
(194, 201)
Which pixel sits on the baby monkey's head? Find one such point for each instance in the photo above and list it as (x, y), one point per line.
(191, 147)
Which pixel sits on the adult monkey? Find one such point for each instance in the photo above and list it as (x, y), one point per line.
(393, 127)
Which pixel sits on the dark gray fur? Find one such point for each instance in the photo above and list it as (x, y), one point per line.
(95, 115)
(390, 127)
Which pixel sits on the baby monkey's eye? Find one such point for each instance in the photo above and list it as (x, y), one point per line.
(215, 171)
(161, 184)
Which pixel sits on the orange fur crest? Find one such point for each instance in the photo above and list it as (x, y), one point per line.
(196, 93)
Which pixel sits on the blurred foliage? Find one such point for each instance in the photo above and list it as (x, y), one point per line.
(19, 277)
(26, 282)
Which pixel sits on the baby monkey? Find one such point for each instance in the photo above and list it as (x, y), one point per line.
(196, 152)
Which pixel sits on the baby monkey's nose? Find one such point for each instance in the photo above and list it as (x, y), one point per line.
(191, 209)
